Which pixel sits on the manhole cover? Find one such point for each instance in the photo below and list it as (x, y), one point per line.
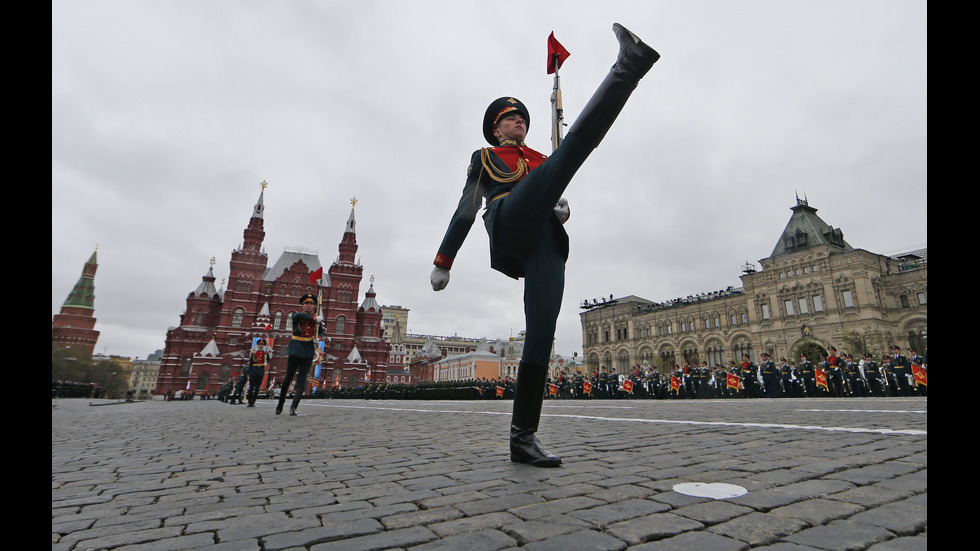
(714, 490)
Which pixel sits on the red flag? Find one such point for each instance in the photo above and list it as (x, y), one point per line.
(555, 49)
(628, 386)
(675, 384)
(586, 388)
(500, 391)
(552, 389)
(821, 379)
(732, 381)
(316, 276)
(919, 375)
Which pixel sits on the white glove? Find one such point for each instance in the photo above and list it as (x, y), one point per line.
(439, 278)
(561, 210)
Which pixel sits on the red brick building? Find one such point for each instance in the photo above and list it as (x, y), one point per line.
(74, 327)
(217, 328)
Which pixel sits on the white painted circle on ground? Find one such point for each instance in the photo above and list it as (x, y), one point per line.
(714, 490)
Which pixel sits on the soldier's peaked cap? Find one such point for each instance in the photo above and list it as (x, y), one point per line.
(501, 106)
(308, 297)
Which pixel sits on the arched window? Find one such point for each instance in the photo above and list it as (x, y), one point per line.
(236, 317)
(341, 324)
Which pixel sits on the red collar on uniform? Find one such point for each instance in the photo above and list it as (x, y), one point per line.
(510, 152)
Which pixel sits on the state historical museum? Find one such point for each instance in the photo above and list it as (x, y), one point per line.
(217, 328)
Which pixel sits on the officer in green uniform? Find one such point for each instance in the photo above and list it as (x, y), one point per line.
(522, 188)
(300, 352)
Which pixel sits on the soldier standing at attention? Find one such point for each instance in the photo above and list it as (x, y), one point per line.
(901, 370)
(872, 373)
(770, 377)
(300, 352)
(809, 376)
(524, 217)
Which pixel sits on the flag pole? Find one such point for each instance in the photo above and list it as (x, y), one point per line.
(557, 116)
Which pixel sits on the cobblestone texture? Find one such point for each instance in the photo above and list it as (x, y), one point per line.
(822, 474)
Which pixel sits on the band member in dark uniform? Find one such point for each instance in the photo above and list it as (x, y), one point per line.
(873, 374)
(300, 352)
(855, 381)
(258, 359)
(901, 370)
(523, 190)
(809, 376)
(770, 376)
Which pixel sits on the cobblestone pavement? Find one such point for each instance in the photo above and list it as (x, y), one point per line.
(820, 474)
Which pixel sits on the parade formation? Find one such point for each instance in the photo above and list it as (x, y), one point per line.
(832, 377)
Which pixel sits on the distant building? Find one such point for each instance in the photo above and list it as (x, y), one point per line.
(143, 379)
(74, 327)
(813, 291)
(218, 327)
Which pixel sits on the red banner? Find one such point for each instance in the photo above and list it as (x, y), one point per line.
(553, 390)
(919, 375)
(628, 386)
(732, 381)
(675, 384)
(587, 387)
(500, 391)
(821, 379)
(316, 275)
(555, 49)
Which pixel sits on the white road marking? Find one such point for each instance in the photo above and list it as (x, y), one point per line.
(868, 410)
(909, 432)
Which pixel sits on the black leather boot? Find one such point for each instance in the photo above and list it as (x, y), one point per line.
(634, 60)
(279, 407)
(292, 410)
(528, 399)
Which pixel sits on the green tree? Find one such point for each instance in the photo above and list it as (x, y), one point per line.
(870, 341)
(811, 348)
(68, 365)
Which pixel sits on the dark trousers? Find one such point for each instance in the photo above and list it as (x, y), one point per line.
(523, 222)
(254, 382)
(300, 368)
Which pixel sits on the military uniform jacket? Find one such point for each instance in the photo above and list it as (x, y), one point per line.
(786, 371)
(769, 370)
(900, 365)
(493, 172)
(871, 370)
(258, 360)
(301, 344)
(806, 368)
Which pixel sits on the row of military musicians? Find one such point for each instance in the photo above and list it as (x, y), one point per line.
(832, 376)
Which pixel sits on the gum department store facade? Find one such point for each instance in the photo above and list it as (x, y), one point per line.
(812, 290)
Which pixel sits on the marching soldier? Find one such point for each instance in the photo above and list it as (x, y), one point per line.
(524, 217)
(239, 386)
(300, 352)
(258, 359)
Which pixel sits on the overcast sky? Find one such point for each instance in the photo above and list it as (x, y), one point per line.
(166, 116)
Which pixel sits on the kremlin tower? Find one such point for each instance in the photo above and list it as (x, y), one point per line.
(74, 326)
